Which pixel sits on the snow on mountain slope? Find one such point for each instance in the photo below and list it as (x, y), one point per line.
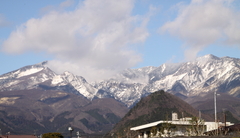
(202, 75)
(39, 75)
(25, 78)
(205, 74)
(80, 84)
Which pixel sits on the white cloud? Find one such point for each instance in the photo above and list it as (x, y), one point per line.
(61, 7)
(204, 22)
(91, 41)
(3, 21)
(66, 3)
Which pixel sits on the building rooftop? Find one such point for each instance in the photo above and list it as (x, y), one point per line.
(175, 122)
(18, 136)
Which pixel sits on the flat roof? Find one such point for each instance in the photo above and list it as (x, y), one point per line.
(177, 122)
(18, 136)
(146, 125)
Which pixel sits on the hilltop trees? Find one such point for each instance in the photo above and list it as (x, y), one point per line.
(52, 135)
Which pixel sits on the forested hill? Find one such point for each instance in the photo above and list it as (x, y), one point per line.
(157, 106)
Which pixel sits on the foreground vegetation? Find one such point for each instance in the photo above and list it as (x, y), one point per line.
(52, 135)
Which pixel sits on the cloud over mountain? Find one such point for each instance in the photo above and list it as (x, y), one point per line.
(202, 23)
(94, 40)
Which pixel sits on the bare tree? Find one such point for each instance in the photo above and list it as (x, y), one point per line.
(166, 128)
(153, 131)
(197, 126)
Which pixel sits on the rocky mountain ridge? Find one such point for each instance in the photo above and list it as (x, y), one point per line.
(198, 77)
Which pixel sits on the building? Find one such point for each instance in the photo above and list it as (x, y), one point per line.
(177, 127)
(233, 130)
(18, 136)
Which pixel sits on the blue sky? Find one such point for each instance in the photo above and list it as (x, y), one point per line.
(97, 38)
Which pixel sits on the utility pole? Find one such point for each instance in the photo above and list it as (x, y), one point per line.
(224, 116)
(215, 105)
(70, 129)
(199, 114)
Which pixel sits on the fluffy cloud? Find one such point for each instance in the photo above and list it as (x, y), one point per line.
(3, 21)
(204, 22)
(93, 41)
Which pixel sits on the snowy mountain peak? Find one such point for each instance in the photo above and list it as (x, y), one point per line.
(67, 73)
(205, 74)
(207, 58)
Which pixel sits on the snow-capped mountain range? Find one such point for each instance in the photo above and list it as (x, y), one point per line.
(198, 77)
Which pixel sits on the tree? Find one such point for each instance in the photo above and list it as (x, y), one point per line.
(166, 128)
(197, 126)
(153, 131)
(52, 135)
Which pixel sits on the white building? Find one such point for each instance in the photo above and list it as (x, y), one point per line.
(182, 127)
